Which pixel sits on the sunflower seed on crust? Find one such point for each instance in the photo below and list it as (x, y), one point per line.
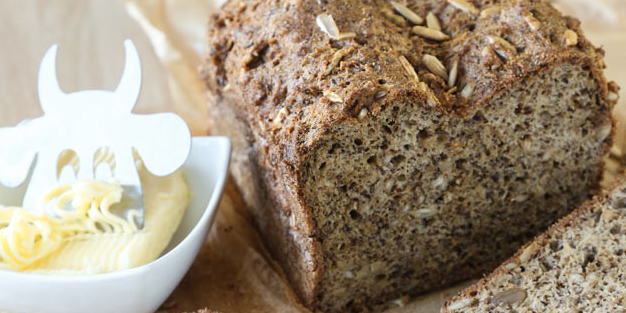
(278, 119)
(407, 13)
(430, 33)
(532, 22)
(453, 73)
(333, 97)
(432, 21)
(489, 59)
(395, 18)
(409, 68)
(467, 91)
(435, 66)
(511, 266)
(528, 252)
(464, 6)
(502, 47)
(326, 23)
(490, 11)
(571, 38)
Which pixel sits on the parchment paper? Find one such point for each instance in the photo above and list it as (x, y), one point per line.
(233, 272)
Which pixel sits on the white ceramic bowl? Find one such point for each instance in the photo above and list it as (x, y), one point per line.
(137, 290)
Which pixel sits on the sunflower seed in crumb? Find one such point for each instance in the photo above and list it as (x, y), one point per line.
(430, 33)
(464, 6)
(571, 38)
(461, 304)
(453, 72)
(435, 66)
(380, 94)
(510, 266)
(409, 68)
(576, 278)
(502, 47)
(432, 21)
(510, 296)
(333, 97)
(532, 22)
(467, 91)
(490, 11)
(326, 23)
(612, 96)
(424, 213)
(528, 252)
(396, 19)
(363, 113)
(407, 13)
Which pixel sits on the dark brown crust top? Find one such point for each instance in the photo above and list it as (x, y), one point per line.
(272, 60)
(542, 240)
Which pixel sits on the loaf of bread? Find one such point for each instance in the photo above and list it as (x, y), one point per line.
(576, 266)
(387, 149)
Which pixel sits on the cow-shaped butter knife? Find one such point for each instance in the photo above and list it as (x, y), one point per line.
(84, 122)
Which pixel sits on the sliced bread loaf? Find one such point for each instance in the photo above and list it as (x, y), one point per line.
(578, 265)
(380, 158)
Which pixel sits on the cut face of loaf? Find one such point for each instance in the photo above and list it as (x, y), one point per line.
(413, 199)
(370, 172)
(576, 266)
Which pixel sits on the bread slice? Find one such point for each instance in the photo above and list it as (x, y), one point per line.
(576, 266)
(382, 160)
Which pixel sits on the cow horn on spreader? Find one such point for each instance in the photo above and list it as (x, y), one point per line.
(48, 85)
(128, 89)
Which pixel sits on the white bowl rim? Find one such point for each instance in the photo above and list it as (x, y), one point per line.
(212, 203)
